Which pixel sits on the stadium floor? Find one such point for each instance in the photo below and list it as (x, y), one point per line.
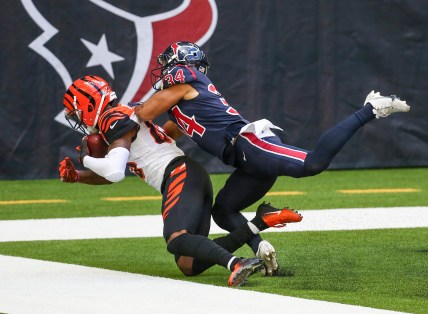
(34, 286)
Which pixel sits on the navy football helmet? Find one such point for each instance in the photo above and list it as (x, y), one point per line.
(181, 52)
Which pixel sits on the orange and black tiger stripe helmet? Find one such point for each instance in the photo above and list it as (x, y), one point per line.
(85, 100)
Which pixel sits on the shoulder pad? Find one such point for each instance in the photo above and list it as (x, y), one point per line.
(179, 74)
(116, 122)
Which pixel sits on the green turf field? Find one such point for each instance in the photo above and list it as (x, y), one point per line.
(378, 268)
(80, 200)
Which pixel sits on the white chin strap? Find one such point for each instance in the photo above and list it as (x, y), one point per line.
(93, 129)
(78, 112)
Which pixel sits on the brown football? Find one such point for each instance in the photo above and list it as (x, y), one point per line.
(97, 147)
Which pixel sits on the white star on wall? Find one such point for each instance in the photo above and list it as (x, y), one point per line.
(101, 55)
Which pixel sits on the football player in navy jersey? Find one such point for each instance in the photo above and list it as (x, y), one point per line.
(153, 156)
(197, 109)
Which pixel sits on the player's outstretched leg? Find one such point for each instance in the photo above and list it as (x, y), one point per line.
(332, 141)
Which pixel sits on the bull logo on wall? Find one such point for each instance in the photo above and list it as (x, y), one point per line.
(120, 45)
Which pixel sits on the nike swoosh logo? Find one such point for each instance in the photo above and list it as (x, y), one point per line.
(272, 213)
(113, 125)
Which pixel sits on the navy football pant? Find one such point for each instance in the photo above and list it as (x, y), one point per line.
(259, 161)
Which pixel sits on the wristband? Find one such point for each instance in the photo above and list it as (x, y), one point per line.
(77, 176)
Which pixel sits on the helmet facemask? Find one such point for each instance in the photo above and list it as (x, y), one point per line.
(73, 117)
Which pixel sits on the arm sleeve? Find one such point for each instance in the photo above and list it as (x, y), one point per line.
(112, 167)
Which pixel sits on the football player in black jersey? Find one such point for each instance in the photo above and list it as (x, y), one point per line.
(154, 157)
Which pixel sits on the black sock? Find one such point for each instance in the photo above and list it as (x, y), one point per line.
(236, 238)
(231, 243)
(201, 248)
(234, 262)
(254, 243)
(259, 223)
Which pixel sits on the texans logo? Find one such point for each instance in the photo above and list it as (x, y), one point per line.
(106, 40)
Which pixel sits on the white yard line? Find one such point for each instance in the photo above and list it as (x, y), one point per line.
(33, 286)
(151, 226)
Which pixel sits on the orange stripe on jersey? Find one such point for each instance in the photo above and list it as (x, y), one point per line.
(174, 193)
(172, 199)
(177, 180)
(178, 170)
(109, 119)
(166, 211)
(112, 115)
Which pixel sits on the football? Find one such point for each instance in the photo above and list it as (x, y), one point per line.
(97, 147)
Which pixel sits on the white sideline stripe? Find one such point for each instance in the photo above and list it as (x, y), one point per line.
(151, 225)
(33, 286)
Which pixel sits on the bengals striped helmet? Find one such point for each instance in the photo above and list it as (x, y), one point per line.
(85, 100)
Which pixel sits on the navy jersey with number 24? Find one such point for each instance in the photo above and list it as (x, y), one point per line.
(207, 119)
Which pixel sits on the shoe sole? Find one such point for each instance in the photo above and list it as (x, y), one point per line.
(397, 104)
(269, 268)
(240, 276)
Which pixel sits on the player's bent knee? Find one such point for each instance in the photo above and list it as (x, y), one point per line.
(185, 264)
(176, 243)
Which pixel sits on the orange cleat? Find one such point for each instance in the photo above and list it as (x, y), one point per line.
(244, 269)
(274, 217)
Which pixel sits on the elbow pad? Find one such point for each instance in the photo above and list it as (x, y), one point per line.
(112, 167)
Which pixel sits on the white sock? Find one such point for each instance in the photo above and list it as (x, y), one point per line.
(253, 227)
(230, 262)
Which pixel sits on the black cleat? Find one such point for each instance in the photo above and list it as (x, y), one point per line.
(244, 269)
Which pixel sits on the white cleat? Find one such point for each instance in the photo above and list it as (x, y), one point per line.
(385, 105)
(267, 253)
